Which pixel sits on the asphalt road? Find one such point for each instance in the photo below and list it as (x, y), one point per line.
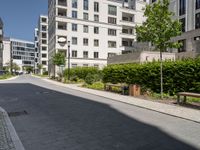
(57, 118)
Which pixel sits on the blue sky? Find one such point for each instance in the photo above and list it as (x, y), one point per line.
(20, 17)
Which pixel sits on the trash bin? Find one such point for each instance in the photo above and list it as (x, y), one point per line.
(134, 90)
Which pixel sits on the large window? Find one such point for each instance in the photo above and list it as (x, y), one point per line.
(182, 7)
(112, 10)
(96, 30)
(85, 42)
(112, 20)
(74, 27)
(96, 54)
(96, 7)
(112, 44)
(183, 24)
(85, 16)
(197, 21)
(74, 40)
(74, 4)
(197, 4)
(112, 32)
(85, 29)
(85, 4)
(74, 54)
(74, 14)
(85, 54)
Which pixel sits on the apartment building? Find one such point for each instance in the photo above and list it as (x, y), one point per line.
(41, 33)
(188, 12)
(1, 44)
(21, 52)
(92, 30)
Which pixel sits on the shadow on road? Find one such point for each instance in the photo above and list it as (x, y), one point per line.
(58, 121)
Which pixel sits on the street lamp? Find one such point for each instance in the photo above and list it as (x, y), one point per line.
(68, 69)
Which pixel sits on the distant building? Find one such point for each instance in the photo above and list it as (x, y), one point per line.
(1, 44)
(96, 29)
(36, 50)
(42, 42)
(20, 52)
(188, 12)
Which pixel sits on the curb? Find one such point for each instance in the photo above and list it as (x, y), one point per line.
(144, 107)
(12, 78)
(15, 139)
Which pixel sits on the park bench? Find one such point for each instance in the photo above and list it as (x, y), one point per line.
(109, 87)
(185, 94)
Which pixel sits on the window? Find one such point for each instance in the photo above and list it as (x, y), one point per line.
(44, 35)
(74, 14)
(96, 18)
(85, 4)
(85, 29)
(96, 30)
(74, 54)
(74, 4)
(197, 21)
(44, 41)
(112, 44)
(85, 16)
(44, 28)
(74, 40)
(74, 65)
(182, 7)
(85, 65)
(96, 42)
(44, 48)
(44, 55)
(85, 54)
(111, 55)
(85, 42)
(44, 62)
(44, 20)
(182, 24)
(96, 7)
(112, 10)
(183, 46)
(197, 4)
(96, 54)
(112, 20)
(74, 27)
(112, 32)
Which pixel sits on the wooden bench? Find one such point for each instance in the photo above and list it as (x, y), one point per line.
(109, 86)
(185, 94)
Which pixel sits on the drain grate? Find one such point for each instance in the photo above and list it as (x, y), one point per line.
(19, 113)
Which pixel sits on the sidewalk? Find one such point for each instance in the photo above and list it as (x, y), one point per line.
(177, 111)
(8, 137)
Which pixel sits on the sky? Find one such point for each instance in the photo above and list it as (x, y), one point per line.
(20, 17)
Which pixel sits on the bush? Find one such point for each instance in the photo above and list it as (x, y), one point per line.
(81, 72)
(178, 76)
(45, 73)
(91, 78)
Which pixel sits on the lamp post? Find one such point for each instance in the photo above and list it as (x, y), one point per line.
(68, 69)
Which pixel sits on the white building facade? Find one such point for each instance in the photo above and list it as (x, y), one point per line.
(96, 29)
(42, 42)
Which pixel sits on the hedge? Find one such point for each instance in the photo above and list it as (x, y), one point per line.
(81, 72)
(178, 76)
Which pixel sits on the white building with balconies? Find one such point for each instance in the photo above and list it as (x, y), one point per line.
(92, 30)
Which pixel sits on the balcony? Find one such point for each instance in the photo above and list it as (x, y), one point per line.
(62, 12)
(62, 3)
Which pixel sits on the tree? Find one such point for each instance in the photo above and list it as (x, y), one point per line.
(59, 59)
(40, 66)
(159, 28)
(15, 67)
(28, 69)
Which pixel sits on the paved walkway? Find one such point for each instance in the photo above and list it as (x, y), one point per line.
(8, 137)
(178, 111)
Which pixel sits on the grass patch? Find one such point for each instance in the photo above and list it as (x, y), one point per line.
(96, 86)
(5, 76)
(39, 75)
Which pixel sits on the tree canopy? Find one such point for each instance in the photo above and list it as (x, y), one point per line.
(159, 26)
(59, 59)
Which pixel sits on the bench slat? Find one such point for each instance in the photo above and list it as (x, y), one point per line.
(189, 94)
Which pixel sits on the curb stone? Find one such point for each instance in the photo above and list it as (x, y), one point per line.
(16, 142)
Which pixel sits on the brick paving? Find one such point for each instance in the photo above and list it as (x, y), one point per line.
(6, 142)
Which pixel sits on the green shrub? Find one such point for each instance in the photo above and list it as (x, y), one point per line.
(91, 78)
(96, 86)
(81, 72)
(178, 76)
(45, 73)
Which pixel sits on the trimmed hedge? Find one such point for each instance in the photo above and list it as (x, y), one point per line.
(178, 76)
(82, 72)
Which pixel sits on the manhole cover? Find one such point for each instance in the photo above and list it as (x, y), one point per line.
(18, 113)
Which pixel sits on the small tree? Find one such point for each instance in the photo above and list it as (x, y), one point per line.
(15, 67)
(59, 59)
(159, 28)
(40, 66)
